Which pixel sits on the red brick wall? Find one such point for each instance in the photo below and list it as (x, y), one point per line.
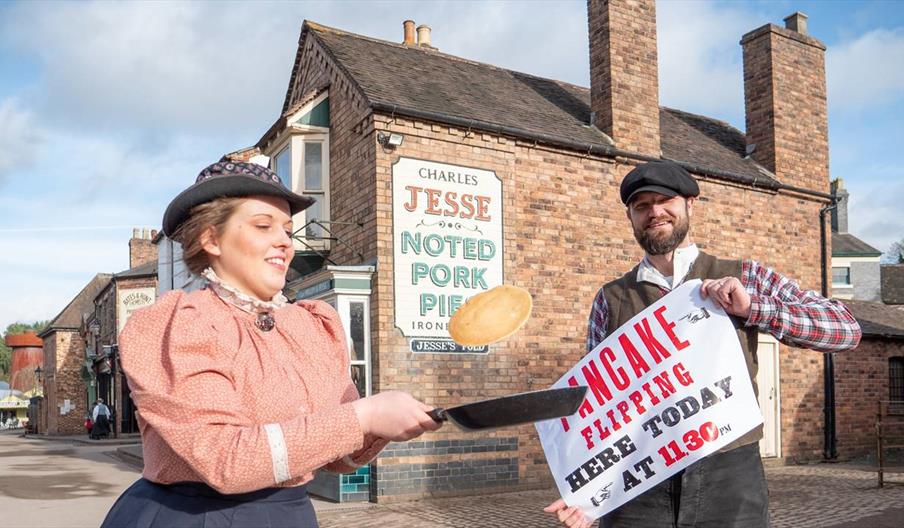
(861, 380)
(785, 95)
(64, 352)
(624, 82)
(141, 248)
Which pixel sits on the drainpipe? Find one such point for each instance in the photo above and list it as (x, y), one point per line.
(830, 451)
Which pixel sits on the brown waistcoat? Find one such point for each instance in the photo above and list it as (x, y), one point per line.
(626, 298)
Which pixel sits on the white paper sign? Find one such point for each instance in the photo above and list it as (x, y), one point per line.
(666, 389)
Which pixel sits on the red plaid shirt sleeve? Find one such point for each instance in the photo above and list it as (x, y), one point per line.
(599, 320)
(796, 317)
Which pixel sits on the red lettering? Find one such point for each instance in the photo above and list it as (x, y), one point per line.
(483, 205)
(668, 327)
(587, 433)
(604, 431)
(636, 398)
(621, 380)
(595, 381)
(412, 204)
(468, 205)
(622, 407)
(654, 347)
(433, 201)
(638, 364)
(664, 384)
(682, 375)
(453, 205)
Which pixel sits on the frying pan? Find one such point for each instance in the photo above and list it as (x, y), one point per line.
(526, 407)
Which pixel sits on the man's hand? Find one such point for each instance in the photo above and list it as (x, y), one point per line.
(572, 517)
(729, 293)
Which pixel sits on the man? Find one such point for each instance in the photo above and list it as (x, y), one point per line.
(728, 488)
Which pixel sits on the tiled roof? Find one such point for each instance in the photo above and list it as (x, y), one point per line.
(847, 245)
(395, 76)
(892, 283)
(71, 316)
(878, 320)
(145, 270)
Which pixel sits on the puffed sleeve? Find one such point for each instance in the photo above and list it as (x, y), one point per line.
(182, 382)
(332, 324)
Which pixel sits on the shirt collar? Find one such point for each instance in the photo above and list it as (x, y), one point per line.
(681, 265)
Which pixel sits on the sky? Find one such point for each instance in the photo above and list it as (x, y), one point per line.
(108, 110)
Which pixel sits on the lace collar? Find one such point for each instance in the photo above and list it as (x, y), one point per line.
(241, 300)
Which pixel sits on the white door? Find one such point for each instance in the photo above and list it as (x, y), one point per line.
(767, 379)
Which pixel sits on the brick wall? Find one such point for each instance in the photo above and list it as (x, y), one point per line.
(64, 352)
(141, 247)
(785, 96)
(861, 380)
(624, 83)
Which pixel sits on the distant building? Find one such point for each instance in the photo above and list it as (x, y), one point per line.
(855, 264)
(892, 278)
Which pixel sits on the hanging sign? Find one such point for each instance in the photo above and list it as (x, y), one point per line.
(447, 246)
(666, 389)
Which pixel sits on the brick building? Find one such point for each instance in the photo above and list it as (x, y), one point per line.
(855, 264)
(65, 403)
(872, 373)
(438, 177)
(126, 292)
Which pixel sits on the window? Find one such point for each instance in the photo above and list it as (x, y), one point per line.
(896, 385)
(358, 346)
(313, 187)
(282, 166)
(841, 276)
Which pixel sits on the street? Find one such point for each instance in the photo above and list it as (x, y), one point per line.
(63, 484)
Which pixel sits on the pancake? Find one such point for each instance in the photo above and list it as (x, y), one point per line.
(490, 316)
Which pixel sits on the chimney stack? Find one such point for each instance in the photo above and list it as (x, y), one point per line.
(141, 247)
(785, 103)
(624, 78)
(840, 213)
(423, 36)
(408, 27)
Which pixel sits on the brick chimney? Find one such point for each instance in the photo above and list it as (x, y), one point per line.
(408, 32)
(840, 213)
(624, 78)
(785, 102)
(141, 247)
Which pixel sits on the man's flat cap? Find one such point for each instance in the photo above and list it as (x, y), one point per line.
(663, 177)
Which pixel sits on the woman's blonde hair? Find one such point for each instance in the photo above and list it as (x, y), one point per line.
(191, 234)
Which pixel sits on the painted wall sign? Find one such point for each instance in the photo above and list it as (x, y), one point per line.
(447, 246)
(130, 300)
(666, 389)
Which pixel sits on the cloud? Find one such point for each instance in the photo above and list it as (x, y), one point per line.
(20, 140)
(874, 212)
(861, 75)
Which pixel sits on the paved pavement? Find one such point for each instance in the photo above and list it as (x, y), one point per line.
(71, 483)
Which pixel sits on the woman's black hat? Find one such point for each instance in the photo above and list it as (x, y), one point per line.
(227, 178)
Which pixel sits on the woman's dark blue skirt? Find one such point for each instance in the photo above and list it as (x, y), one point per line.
(195, 505)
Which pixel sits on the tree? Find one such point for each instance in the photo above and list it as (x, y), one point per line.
(895, 254)
(6, 352)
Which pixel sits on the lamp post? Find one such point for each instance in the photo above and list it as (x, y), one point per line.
(38, 372)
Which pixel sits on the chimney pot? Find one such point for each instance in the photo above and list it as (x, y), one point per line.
(423, 36)
(408, 27)
(797, 21)
(135, 232)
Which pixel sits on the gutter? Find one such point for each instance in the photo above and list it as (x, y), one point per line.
(830, 447)
(589, 148)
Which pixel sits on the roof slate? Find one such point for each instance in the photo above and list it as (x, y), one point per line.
(847, 245)
(394, 75)
(144, 270)
(892, 283)
(878, 320)
(71, 316)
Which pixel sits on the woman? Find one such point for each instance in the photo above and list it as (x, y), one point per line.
(241, 395)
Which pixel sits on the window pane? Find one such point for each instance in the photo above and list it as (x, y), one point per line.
(359, 373)
(356, 328)
(314, 212)
(313, 166)
(896, 385)
(283, 167)
(841, 275)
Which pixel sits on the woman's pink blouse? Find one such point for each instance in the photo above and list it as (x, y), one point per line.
(222, 402)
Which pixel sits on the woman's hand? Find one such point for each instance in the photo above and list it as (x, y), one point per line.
(573, 517)
(394, 415)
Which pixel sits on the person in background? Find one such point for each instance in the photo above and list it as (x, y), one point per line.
(242, 395)
(100, 419)
(727, 488)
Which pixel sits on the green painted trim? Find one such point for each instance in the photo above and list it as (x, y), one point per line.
(318, 116)
(351, 284)
(834, 254)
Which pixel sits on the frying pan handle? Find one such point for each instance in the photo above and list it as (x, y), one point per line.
(439, 414)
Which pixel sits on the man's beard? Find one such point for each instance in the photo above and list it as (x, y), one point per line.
(662, 244)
